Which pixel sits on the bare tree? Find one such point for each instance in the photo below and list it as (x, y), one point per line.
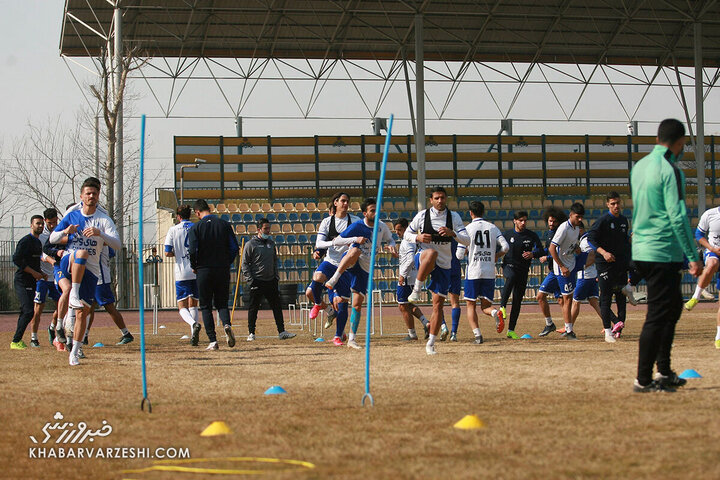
(110, 96)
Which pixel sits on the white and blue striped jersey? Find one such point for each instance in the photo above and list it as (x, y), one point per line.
(176, 241)
(94, 245)
(406, 255)
(484, 239)
(591, 271)
(334, 252)
(709, 226)
(361, 229)
(45, 267)
(438, 220)
(566, 240)
(105, 255)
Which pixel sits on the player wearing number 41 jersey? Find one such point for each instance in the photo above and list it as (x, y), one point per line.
(480, 272)
(563, 249)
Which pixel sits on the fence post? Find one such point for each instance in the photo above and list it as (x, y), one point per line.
(317, 168)
(712, 162)
(409, 166)
(455, 167)
(362, 165)
(544, 166)
(500, 167)
(222, 168)
(269, 155)
(587, 164)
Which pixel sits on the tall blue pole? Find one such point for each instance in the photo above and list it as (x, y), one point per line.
(140, 269)
(373, 249)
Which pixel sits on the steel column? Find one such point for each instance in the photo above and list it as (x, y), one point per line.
(420, 110)
(699, 119)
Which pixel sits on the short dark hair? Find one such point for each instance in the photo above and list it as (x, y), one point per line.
(336, 197)
(519, 214)
(477, 208)
(611, 194)
(261, 221)
(34, 217)
(366, 203)
(50, 213)
(201, 205)
(184, 212)
(90, 182)
(438, 189)
(402, 221)
(554, 212)
(670, 131)
(578, 208)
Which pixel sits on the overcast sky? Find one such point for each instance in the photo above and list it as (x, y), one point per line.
(37, 85)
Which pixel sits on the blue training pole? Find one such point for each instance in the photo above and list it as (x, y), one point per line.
(141, 278)
(373, 249)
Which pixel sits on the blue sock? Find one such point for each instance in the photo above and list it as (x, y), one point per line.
(455, 319)
(354, 320)
(341, 319)
(316, 288)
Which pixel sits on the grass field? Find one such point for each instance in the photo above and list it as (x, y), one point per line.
(552, 409)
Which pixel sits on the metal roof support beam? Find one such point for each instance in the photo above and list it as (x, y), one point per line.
(699, 117)
(420, 109)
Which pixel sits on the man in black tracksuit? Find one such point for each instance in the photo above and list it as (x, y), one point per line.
(524, 246)
(212, 247)
(27, 259)
(260, 270)
(610, 238)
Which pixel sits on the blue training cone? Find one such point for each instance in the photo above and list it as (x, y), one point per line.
(98, 344)
(527, 335)
(690, 373)
(275, 390)
(320, 339)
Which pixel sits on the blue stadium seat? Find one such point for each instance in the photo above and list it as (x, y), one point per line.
(394, 216)
(293, 217)
(313, 238)
(236, 218)
(248, 218)
(288, 263)
(259, 215)
(301, 263)
(316, 216)
(304, 217)
(383, 285)
(279, 239)
(291, 239)
(271, 216)
(282, 217)
(302, 238)
(225, 217)
(382, 261)
(383, 216)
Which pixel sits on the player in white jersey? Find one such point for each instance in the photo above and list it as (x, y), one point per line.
(406, 279)
(433, 229)
(352, 273)
(587, 287)
(707, 235)
(45, 288)
(86, 231)
(482, 253)
(329, 229)
(186, 288)
(563, 248)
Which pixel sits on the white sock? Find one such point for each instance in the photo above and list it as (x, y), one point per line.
(423, 320)
(493, 312)
(476, 331)
(187, 316)
(548, 321)
(717, 335)
(418, 285)
(411, 332)
(194, 313)
(33, 336)
(431, 340)
(75, 347)
(568, 327)
(334, 279)
(698, 292)
(125, 331)
(351, 336)
(608, 332)
(75, 290)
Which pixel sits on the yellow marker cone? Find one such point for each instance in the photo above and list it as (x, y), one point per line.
(469, 422)
(216, 428)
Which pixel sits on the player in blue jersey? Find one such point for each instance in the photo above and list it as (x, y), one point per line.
(87, 230)
(354, 268)
(554, 217)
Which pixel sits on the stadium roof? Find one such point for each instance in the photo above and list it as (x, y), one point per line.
(619, 32)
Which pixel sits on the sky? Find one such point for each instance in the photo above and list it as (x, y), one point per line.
(38, 86)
